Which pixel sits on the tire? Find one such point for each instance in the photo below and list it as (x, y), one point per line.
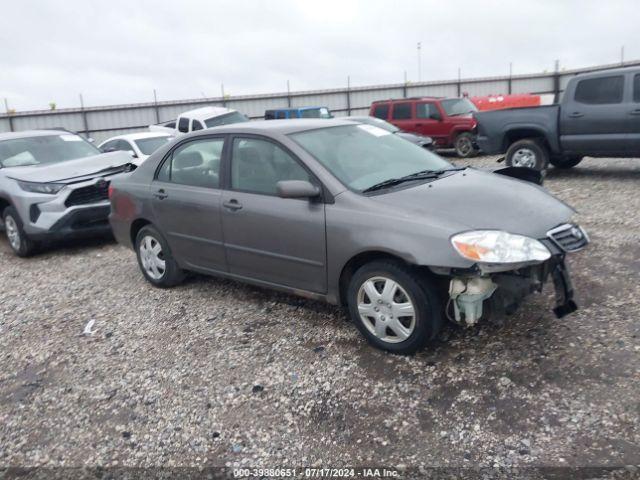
(158, 266)
(464, 145)
(402, 334)
(529, 153)
(19, 242)
(566, 162)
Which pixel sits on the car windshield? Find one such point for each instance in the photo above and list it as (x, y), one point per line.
(21, 152)
(378, 123)
(458, 106)
(233, 117)
(361, 156)
(149, 145)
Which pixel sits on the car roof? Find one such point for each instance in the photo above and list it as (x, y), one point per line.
(409, 99)
(283, 127)
(137, 136)
(290, 109)
(618, 71)
(33, 133)
(205, 113)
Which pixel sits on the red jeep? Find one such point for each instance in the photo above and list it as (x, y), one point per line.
(448, 121)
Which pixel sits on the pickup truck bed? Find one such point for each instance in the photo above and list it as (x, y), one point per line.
(498, 129)
(598, 116)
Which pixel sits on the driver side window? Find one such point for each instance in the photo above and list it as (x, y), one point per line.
(195, 163)
(258, 165)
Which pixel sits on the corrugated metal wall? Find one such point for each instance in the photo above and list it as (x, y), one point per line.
(104, 122)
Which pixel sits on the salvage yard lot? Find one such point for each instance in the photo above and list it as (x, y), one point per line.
(214, 372)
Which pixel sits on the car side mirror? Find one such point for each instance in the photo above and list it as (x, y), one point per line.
(297, 189)
(132, 153)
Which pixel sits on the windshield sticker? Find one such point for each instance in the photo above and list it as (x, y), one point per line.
(373, 130)
(71, 138)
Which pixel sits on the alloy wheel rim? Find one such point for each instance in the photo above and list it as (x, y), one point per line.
(152, 257)
(386, 309)
(524, 157)
(13, 234)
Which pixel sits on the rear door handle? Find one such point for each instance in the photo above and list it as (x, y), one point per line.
(232, 205)
(160, 194)
(635, 112)
(576, 114)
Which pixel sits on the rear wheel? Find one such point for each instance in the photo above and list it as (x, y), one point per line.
(393, 307)
(19, 242)
(529, 153)
(464, 145)
(155, 260)
(566, 162)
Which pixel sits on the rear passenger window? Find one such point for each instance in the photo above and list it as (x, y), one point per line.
(258, 165)
(183, 125)
(381, 111)
(402, 111)
(599, 91)
(195, 163)
(636, 88)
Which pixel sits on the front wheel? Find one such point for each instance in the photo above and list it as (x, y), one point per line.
(464, 145)
(20, 243)
(155, 260)
(394, 308)
(529, 153)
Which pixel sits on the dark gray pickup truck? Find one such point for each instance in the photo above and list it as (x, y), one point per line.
(598, 116)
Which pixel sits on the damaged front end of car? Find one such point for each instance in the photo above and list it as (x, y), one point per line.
(507, 269)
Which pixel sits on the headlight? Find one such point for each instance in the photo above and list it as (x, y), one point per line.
(494, 246)
(50, 188)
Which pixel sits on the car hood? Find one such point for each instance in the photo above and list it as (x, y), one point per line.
(472, 199)
(72, 170)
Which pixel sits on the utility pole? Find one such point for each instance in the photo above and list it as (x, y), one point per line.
(459, 84)
(288, 95)
(84, 117)
(622, 55)
(510, 78)
(404, 85)
(419, 61)
(6, 107)
(224, 100)
(556, 82)
(348, 95)
(155, 105)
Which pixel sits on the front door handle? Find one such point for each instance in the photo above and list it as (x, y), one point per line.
(161, 194)
(635, 112)
(232, 205)
(576, 114)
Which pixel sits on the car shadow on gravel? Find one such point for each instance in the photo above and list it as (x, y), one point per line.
(62, 247)
(621, 174)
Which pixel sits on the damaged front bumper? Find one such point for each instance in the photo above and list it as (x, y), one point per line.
(489, 292)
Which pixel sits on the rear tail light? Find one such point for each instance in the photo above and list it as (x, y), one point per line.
(110, 191)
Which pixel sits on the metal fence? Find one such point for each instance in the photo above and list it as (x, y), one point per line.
(104, 122)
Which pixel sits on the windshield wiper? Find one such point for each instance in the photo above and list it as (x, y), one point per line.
(424, 174)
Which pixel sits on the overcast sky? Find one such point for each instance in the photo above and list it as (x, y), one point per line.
(119, 51)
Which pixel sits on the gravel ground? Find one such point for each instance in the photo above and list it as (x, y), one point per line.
(217, 373)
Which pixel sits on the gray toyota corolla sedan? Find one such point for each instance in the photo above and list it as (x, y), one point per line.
(351, 214)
